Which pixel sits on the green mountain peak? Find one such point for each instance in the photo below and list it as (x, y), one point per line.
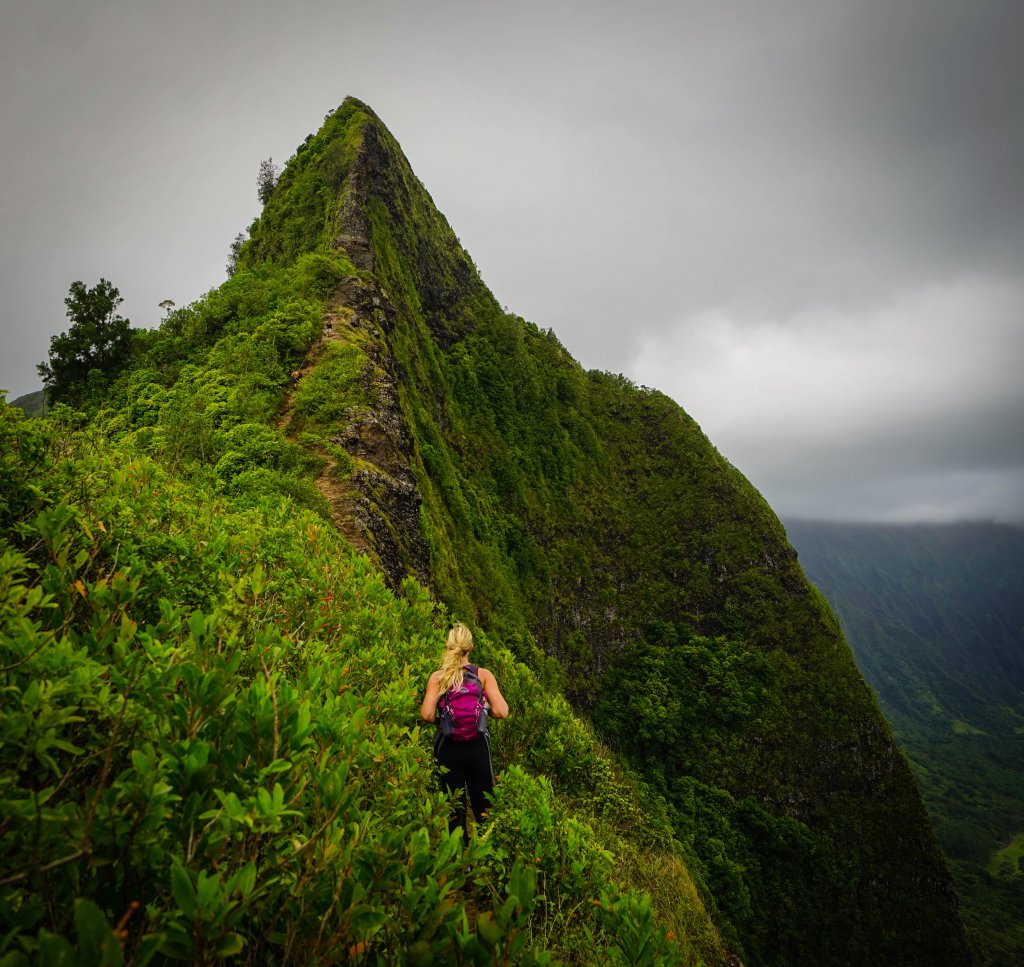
(592, 524)
(683, 699)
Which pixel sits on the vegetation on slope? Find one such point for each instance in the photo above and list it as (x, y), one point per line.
(246, 761)
(934, 615)
(594, 524)
(583, 522)
(211, 748)
(32, 404)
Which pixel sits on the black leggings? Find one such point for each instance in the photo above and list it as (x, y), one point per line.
(468, 765)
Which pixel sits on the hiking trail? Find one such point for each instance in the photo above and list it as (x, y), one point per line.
(337, 320)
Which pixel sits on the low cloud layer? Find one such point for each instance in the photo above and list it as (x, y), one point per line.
(802, 220)
(909, 412)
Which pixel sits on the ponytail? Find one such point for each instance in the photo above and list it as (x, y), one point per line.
(456, 648)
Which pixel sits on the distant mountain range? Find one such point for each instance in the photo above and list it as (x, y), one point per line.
(33, 404)
(935, 617)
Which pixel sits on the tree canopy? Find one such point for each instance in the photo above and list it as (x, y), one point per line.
(98, 341)
(266, 179)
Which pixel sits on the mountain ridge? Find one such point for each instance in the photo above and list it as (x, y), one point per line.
(355, 367)
(449, 334)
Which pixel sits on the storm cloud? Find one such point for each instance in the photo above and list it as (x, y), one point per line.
(801, 220)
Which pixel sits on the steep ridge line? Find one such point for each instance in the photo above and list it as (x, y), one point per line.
(572, 510)
(376, 504)
(340, 498)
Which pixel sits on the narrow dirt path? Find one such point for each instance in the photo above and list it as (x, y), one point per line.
(341, 498)
(336, 314)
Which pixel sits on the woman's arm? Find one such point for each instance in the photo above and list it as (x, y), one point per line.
(499, 707)
(428, 710)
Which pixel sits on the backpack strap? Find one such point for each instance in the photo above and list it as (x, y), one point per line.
(473, 674)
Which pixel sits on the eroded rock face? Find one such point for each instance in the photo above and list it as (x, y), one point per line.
(390, 510)
(353, 227)
(358, 249)
(379, 500)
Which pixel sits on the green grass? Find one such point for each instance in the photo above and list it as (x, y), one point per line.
(965, 728)
(1007, 862)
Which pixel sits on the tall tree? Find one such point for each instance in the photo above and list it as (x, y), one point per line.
(234, 252)
(98, 341)
(266, 179)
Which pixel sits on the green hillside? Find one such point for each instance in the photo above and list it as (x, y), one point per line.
(350, 429)
(935, 616)
(33, 404)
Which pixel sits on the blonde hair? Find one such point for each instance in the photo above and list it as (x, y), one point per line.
(458, 645)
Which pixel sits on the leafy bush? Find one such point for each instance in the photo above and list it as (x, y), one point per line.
(217, 755)
(257, 683)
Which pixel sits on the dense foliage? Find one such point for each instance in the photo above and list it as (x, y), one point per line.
(354, 371)
(96, 346)
(594, 525)
(211, 749)
(935, 616)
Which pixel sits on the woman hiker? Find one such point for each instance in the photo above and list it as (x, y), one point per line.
(463, 694)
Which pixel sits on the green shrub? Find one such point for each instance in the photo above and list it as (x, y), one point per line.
(210, 746)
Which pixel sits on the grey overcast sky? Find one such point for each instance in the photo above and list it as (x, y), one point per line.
(803, 220)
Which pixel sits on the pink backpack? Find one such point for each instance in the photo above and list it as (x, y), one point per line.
(463, 715)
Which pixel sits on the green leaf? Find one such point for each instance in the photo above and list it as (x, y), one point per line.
(91, 926)
(96, 941)
(278, 765)
(368, 921)
(245, 879)
(14, 959)
(231, 945)
(183, 891)
(148, 948)
(54, 951)
(488, 930)
(209, 894)
(256, 580)
(197, 624)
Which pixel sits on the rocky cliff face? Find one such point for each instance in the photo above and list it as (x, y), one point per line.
(376, 505)
(595, 528)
